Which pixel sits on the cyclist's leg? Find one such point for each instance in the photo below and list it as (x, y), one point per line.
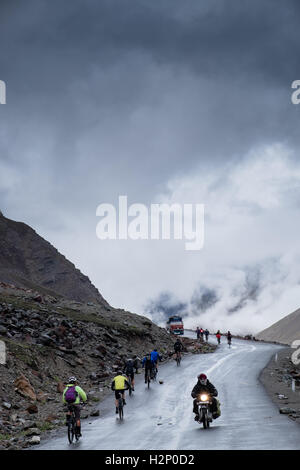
(117, 393)
(132, 380)
(76, 409)
(68, 414)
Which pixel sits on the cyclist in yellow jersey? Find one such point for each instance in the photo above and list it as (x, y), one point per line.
(119, 385)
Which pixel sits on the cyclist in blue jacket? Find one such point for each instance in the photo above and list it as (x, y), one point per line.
(155, 357)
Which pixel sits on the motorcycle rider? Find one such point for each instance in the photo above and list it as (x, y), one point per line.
(205, 386)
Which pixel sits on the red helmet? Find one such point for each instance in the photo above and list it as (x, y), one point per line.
(202, 377)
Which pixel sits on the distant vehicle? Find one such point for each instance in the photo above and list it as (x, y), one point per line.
(175, 325)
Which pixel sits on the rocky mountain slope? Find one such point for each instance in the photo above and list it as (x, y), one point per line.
(27, 260)
(285, 331)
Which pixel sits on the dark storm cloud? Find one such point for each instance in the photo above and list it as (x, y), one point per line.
(249, 290)
(110, 97)
(164, 306)
(203, 298)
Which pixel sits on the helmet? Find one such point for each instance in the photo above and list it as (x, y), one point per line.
(119, 372)
(72, 380)
(203, 379)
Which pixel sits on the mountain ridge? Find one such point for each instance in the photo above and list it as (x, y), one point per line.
(28, 260)
(284, 331)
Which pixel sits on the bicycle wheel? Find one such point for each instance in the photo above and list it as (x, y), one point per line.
(148, 379)
(121, 413)
(130, 389)
(71, 430)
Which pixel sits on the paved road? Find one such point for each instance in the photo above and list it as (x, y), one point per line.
(162, 418)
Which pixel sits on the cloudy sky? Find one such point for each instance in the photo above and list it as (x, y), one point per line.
(162, 101)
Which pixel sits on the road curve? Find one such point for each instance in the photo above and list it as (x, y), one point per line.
(161, 417)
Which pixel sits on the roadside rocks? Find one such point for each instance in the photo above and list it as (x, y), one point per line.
(287, 411)
(24, 388)
(35, 440)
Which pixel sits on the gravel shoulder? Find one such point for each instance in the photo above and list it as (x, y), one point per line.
(277, 378)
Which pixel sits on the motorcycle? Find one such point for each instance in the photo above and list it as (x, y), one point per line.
(204, 403)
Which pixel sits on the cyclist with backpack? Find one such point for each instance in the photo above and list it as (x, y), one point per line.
(149, 365)
(178, 348)
(129, 371)
(72, 395)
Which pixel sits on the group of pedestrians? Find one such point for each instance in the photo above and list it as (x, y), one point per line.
(201, 333)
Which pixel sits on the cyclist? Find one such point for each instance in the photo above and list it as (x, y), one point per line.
(129, 371)
(229, 337)
(149, 366)
(119, 385)
(206, 332)
(178, 348)
(136, 363)
(218, 335)
(71, 397)
(155, 357)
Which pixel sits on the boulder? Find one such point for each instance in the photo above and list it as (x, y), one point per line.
(24, 387)
(35, 440)
(32, 409)
(60, 387)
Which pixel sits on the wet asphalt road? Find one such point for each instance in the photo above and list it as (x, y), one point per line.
(162, 418)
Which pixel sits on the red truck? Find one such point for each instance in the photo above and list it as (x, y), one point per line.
(175, 325)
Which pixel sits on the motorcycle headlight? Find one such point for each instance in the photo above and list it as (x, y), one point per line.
(203, 397)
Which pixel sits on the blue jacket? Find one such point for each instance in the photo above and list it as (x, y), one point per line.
(155, 356)
(148, 363)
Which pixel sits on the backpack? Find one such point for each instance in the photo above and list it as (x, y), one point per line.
(71, 394)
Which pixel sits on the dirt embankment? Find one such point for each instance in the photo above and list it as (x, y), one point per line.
(279, 377)
(49, 339)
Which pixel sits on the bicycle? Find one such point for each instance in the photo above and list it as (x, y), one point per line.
(148, 378)
(178, 358)
(120, 406)
(130, 386)
(72, 426)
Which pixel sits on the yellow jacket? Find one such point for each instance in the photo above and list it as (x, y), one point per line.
(120, 383)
